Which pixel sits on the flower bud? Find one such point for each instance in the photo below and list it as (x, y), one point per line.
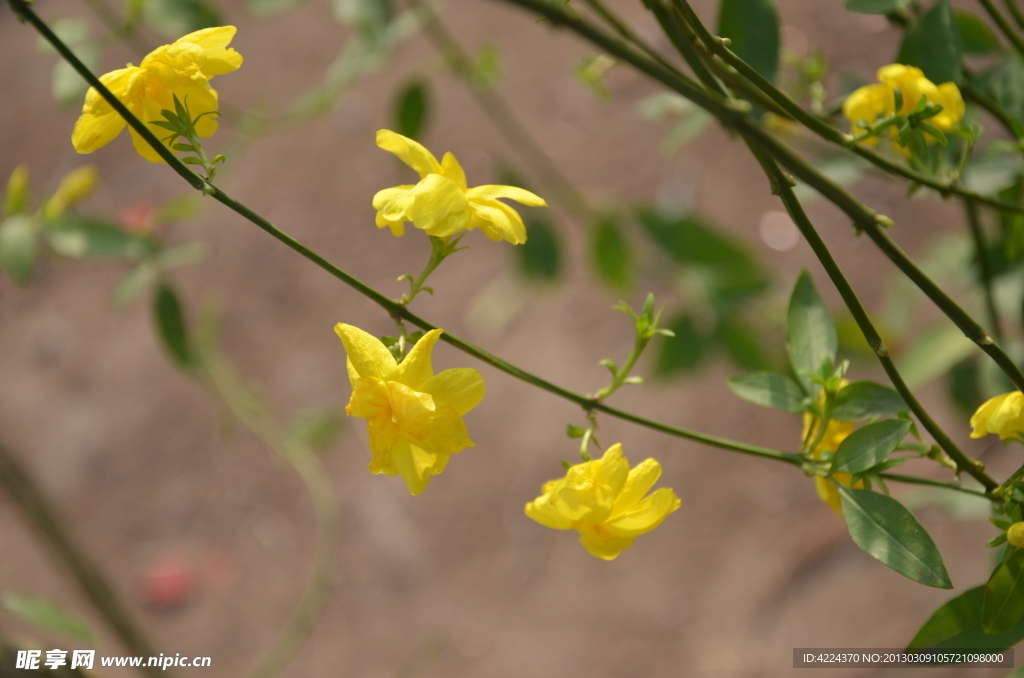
(1015, 535)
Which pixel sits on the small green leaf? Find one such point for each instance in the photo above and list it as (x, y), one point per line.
(934, 45)
(869, 445)
(957, 625)
(885, 530)
(865, 399)
(540, 256)
(170, 324)
(1004, 596)
(681, 353)
(574, 431)
(611, 255)
(412, 109)
(46, 616)
(769, 390)
(315, 430)
(978, 38)
(753, 28)
(810, 332)
(18, 249)
(995, 541)
(878, 6)
(80, 237)
(135, 282)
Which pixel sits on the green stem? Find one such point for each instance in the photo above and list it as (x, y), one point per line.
(621, 374)
(972, 93)
(440, 249)
(822, 128)
(782, 187)
(393, 308)
(911, 480)
(501, 114)
(1011, 34)
(984, 266)
(221, 380)
(26, 494)
(1015, 10)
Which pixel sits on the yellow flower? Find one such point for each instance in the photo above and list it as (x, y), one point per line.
(872, 102)
(413, 416)
(183, 68)
(440, 203)
(75, 187)
(1002, 415)
(604, 501)
(835, 433)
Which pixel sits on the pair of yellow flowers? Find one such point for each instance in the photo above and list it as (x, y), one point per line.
(414, 417)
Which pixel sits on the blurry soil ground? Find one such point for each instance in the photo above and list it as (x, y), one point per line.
(456, 582)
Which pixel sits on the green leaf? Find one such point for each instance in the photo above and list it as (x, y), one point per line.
(487, 67)
(411, 109)
(370, 18)
(79, 238)
(1006, 84)
(865, 399)
(262, 8)
(574, 431)
(729, 272)
(540, 256)
(810, 332)
(183, 255)
(610, 254)
(957, 624)
(977, 37)
(885, 530)
(18, 249)
(315, 430)
(868, 446)
(681, 353)
(934, 45)
(175, 18)
(135, 282)
(170, 324)
(742, 343)
(878, 6)
(753, 27)
(1004, 596)
(769, 390)
(46, 616)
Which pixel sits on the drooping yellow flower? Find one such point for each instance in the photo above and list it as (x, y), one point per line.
(604, 501)
(872, 102)
(413, 416)
(1002, 415)
(835, 433)
(441, 204)
(183, 68)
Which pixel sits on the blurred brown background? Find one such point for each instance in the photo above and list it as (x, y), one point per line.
(456, 582)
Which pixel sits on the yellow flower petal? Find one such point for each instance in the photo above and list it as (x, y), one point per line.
(495, 191)
(461, 388)
(981, 418)
(370, 358)
(451, 168)
(543, 510)
(498, 221)
(601, 545)
(416, 369)
(412, 153)
(639, 482)
(646, 515)
(416, 465)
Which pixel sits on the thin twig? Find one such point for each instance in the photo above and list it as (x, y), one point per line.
(38, 511)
